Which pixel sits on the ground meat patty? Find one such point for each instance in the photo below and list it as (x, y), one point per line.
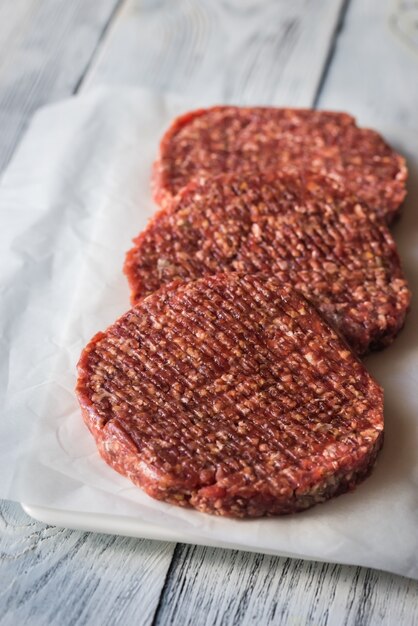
(231, 395)
(239, 140)
(306, 230)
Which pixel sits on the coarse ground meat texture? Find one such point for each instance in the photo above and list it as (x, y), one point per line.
(307, 230)
(230, 139)
(231, 395)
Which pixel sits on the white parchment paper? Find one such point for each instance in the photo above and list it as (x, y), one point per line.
(72, 199)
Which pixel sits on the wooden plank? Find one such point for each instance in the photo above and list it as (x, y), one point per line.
(56, 576)
(219, 587)
(45, 49)
(247, 52)
(374, 73)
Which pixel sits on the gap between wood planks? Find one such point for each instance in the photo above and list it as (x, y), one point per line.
(46, 48)
(333, 43)
(174, 560)
(113, 17)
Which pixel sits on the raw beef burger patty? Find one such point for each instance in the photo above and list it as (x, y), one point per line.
(307, 230)
(239, 140)
(233, 396)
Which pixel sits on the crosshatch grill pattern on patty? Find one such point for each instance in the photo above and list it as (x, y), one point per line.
(237, 140)
(307, 230)
(231, 395)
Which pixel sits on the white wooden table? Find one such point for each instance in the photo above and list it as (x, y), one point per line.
(360, 55)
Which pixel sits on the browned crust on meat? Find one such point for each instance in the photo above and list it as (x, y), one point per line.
(227, 139)
(231, 395)
(308, 230)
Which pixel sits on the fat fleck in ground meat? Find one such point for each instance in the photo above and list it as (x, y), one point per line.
(307, 230)
(233, 396)
(239, 140)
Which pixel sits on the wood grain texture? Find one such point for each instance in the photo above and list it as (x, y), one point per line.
(374, 73)
(56, 576)
(252, 51)
(45, 49)
(223, 587)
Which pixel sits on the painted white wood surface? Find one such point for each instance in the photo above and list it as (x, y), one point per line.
(217, 587)
(374, 72)
(45, 49)
(51, 576)
(54, 576)
(246, 51)
(264, 51)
